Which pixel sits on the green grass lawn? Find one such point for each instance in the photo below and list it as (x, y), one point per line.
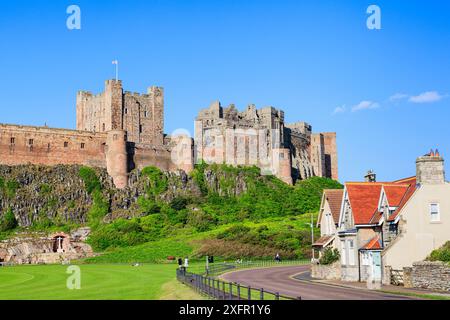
(98, 282)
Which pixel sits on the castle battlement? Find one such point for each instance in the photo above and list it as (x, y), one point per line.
(115, 130)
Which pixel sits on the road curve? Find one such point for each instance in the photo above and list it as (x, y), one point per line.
(279, 279)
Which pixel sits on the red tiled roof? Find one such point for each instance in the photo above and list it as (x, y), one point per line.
(410, 180)
(395, 193)
(373, 244)
(408, 194)
(334, 198)
(363, 197)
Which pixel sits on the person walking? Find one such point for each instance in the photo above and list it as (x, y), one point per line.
(180, 263)
(186, 262)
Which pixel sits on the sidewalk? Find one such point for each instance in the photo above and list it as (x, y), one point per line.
(306, 276)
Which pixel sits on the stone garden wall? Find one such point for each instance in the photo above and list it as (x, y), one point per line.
(429, 275)
(327, 272)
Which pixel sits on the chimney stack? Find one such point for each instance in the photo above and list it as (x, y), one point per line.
(430, 168)
(370, 176)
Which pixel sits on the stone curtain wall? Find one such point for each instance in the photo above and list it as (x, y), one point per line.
(327, 272)
(430, 275)
(45, 146)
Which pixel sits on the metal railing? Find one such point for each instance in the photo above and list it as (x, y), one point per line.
(217, 269)
(221, 290)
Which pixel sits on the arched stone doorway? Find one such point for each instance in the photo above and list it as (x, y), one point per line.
(58, 244)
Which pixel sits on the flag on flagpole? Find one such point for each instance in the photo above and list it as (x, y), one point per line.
(116, 62)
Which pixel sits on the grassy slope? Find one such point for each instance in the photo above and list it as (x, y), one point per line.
(186, 243)
(104, 282)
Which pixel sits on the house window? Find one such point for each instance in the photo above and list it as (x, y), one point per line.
(351, 252)
(434, 212)
(82, 145)
(13, 140)
(365, 258)
(343, 253)
(66, 144)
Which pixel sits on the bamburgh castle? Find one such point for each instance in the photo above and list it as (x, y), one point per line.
(261, 138)
(119, 130)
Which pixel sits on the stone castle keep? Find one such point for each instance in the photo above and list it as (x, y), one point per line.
(120, 131)
(261, 138)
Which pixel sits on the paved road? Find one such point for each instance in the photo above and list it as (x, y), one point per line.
(279, 279)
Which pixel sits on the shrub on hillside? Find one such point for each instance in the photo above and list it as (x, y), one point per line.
(200, 220)
(157, 181)
(90, 179)
(8, 221)
(120, 233)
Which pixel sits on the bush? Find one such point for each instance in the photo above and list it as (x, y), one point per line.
(200, 220)
(120, 233)
(329, 256)
(157, 181)
(11, 187)
(90, 179)
(99, 208)
(148, 206)
(179, 203)
(8, 221)
(441, 254)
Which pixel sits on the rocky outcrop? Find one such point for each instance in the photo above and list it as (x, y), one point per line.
(57, 193)
(35, 248)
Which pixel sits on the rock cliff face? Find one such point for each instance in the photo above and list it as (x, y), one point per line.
(58, 193)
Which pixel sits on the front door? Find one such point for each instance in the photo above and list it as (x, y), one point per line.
(376, 265)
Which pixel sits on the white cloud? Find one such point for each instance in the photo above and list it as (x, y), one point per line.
(364, 105)
(340, 109)
(398, 96)
(426, 97)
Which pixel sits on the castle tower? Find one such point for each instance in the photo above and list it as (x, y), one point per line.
(117, 158)
(281, 164)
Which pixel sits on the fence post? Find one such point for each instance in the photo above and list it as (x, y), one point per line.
(239, 291)
(261, 294)
(230, 285)
(223, 289)
(277, 296)
(249, 294)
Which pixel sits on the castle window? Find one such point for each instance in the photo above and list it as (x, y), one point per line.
(66, 144)
(126, 110)
(145, 113)
(140, 128)
(13, 140)
(103, 127)
(30, 142)
(82, 145)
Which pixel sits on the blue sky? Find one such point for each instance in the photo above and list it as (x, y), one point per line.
(385, 92)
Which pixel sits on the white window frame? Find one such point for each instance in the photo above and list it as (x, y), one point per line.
(351, 252)
(343, 252)
(435, 217)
